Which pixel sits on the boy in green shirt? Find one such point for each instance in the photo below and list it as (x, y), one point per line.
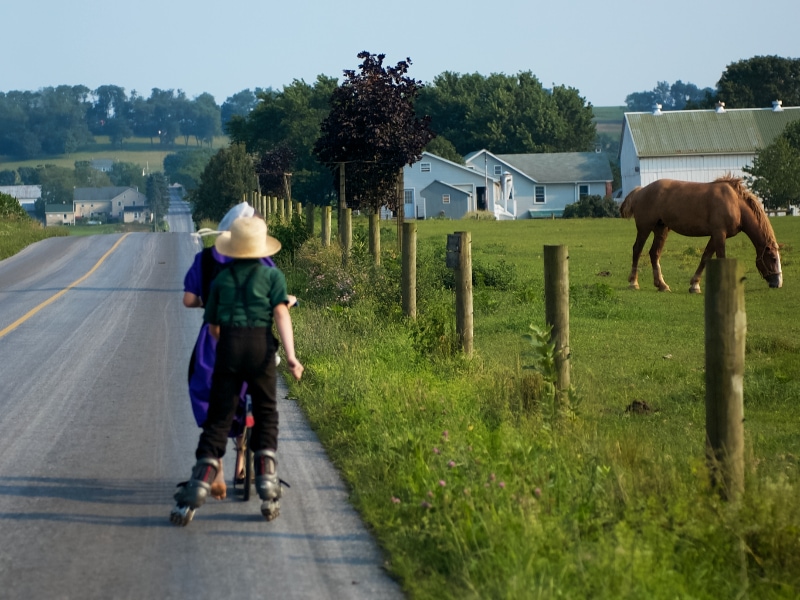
(243, 302)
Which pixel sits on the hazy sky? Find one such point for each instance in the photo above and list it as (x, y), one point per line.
(606, 50)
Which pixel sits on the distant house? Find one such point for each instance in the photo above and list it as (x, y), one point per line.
(26, 195)
(103, 165)
(59, 214)
(112, 203)
(457, 190)
(696, 145)
(541, 185)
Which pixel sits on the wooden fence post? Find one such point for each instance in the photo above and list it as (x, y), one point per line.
(346, 226)
(463, 277)
(726, 329)
(556, 312)
(409, 270)
(326, 226)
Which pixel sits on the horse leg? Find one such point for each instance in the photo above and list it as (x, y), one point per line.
(660, 233)
(713, 246)
(641, 238)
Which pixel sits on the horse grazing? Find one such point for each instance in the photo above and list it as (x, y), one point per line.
(719, 209)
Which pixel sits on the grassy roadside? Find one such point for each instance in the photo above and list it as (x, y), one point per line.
(17, 234)
(472, 487)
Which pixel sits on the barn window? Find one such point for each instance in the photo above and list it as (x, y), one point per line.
(445, 198)
(498, 169)
(425, 167)
(583, 191)
(538, 194)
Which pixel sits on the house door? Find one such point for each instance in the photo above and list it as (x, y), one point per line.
(481, 191)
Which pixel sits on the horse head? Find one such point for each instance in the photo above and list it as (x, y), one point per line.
(768, 263)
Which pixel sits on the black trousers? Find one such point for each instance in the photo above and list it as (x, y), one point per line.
(244, 354)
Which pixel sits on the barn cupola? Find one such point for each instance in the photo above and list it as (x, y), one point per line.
(657, 109)
(777, 105)
(720, 107)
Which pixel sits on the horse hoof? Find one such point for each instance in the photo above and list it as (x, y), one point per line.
(633, 286)
(694, 290)
(664, 289)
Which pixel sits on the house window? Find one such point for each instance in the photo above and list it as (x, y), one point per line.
(538, 194)
(445, 198)
(425, 167)
(408, 196)
(583, 191)
(498, 169)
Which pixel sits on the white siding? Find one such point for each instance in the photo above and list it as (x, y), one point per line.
(693, 168)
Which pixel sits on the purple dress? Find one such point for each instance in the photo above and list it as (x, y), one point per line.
(205, 351)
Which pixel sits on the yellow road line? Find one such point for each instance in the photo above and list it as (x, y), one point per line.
(56, 296)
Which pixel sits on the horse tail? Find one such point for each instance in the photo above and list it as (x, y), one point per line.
(626, 208)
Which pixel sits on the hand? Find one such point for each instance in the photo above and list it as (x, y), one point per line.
(295, 368)
(293, 301)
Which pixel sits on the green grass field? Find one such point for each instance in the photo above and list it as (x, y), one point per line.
(138, 151)
(476, 490)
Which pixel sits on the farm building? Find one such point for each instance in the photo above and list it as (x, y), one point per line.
(520, 186)
(696, 145)
(541, 185)
(26, 195)
(59, 214)
(112, 203)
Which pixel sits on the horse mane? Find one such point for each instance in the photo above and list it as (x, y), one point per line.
(753, 203)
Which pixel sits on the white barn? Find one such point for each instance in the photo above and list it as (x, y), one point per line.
(696, 145)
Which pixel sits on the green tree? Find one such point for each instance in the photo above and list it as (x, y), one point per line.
(10, 209)
(240, 104)
(186, 167)
(507, 114)
(8, 177)
(441, 146)
(128, 175)
(291, 119)
(87, 176)
(774, 175)
(57, 184)
(373, 128)
(756, 82)
(675, 96)
(228, 176)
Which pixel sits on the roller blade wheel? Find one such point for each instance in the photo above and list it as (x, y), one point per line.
(270, 509)
(181, 515)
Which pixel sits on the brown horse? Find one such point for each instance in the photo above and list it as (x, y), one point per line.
(720, 209)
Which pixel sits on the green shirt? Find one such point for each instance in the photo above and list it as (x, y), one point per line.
(260, 290)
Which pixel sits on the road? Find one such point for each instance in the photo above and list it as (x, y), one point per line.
(96, 430)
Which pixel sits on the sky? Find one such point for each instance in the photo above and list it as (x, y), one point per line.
(605, 50)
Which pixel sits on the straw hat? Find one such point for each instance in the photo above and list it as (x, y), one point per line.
(247, 238)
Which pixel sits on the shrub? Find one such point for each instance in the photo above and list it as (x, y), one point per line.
(592, 206)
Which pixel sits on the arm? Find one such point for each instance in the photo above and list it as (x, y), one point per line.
(191, 300)
(283, 323)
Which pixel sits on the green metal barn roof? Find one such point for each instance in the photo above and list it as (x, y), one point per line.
(733, 131)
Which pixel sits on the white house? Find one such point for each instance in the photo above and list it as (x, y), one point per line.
(119, 203)
(457, 190)
(26, 195)
(696, 145)
(541, 185)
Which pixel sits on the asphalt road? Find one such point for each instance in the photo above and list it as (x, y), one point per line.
(96, 430)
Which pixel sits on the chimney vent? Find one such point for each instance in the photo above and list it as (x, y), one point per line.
(777, 105)
(720, 107)
(657, 109)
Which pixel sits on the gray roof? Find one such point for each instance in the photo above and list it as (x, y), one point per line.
(99, 194)
(561, 167)
(58, 208)
(687, 132)
(22, 192)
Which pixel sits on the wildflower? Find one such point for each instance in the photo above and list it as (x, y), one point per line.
(451, 464)
(442, 482)
(466, 491)
(445, 435)
(470, 427)
(435, 450)
(537, 492)
(430, 494)
(502, 484)
(491, 477)
(395, 500)
(425, 504)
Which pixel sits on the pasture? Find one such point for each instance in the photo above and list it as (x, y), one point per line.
(472, 484)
